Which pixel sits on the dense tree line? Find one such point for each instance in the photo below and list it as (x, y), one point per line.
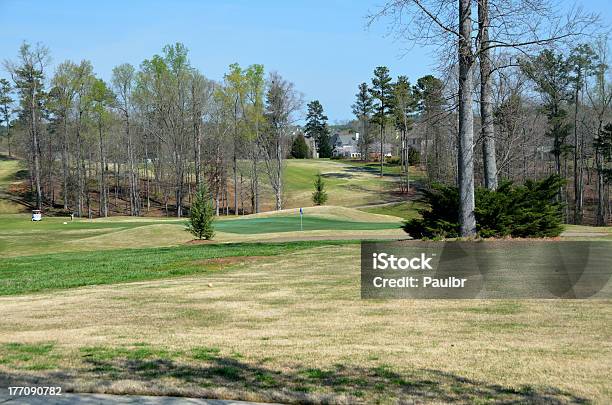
(543, 100)
(549, 113)
(150, 137)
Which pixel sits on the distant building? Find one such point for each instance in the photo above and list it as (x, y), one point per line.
(374, 150)
(345, 145)
(417, 139)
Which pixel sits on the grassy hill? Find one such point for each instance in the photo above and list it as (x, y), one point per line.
(348, 184)
(9, 175)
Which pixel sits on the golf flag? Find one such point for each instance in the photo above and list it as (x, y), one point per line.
(301, 214)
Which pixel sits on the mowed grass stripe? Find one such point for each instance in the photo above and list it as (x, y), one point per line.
(29, 274)
(291, 224)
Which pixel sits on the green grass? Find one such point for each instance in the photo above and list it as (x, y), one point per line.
(20, 236)
(27, 356)
(290, 224)
(137, 352)
(27, 274)
(11, 170)
(53, 224)
(405, 210)
(300, 176)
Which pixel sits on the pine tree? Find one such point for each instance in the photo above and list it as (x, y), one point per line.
(403, 107)
(362, 109)
(382, 92)
(299, 149)
(319, 197)
(202, 215)
(551, 74)
(5, 109)
(429, 92)
(316, 127)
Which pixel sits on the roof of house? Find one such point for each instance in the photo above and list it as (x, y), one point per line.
(343, 140)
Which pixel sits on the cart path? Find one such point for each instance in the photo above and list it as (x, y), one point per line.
(103, 399)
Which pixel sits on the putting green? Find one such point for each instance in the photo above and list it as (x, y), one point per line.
(291, 224)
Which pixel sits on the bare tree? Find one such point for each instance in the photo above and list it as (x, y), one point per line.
(599, 94)
(282, 102)
(28, 73)
(123, 82)
(6, 108)
(486, 98)
(201, 94)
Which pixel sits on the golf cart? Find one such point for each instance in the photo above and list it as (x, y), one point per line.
(36, 215)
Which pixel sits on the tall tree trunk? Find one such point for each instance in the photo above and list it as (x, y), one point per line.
(486, 99)
(406, 154)
(465, 168)
(198, 156)
(255, 183)
(363, 139)
(133, 175)
(179, 189)
(256, 168)
(147, 177)
(7, 119)
(577, 171)
(65, 163)
(235, 158)
(600, 216)
(279, 174)
(80, 168)
(103, 199)
(116, 185)
(35, 148)
(87, 172)
(601, 194)
(382, 157)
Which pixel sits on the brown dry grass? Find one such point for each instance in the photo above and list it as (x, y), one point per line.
(293, 329)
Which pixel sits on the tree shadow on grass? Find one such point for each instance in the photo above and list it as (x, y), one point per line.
(6, 157)
(200, 375)
(337, 175)
(372, 168)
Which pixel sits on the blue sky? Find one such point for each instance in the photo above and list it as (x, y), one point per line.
(322, 46)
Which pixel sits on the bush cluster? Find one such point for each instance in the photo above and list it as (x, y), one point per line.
(319, 196)
(529, 210)
(202, 215)
(414, 156)
(299, 148)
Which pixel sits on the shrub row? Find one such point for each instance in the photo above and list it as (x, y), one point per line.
(528, 210)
